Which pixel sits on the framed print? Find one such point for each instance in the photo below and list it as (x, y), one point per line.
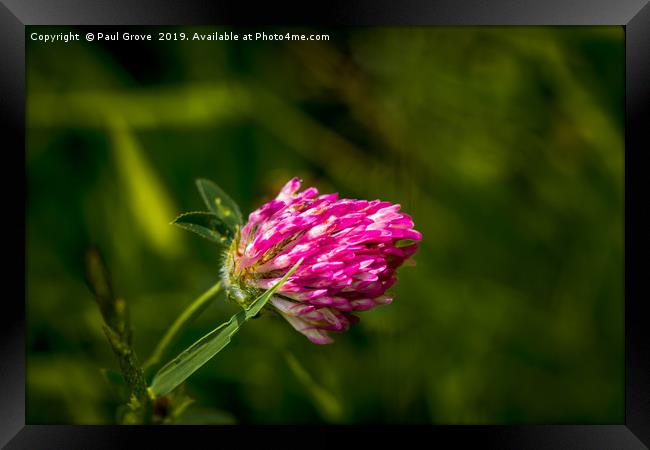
(325, 220)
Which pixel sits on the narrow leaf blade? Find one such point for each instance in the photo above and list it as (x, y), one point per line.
(190, 360)
(199, 353)
(207, 225)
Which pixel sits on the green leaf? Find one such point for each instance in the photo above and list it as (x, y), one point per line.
(220, 203)
(207, 225)
(199, 353)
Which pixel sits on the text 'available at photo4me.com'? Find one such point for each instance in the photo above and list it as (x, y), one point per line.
(50, 38)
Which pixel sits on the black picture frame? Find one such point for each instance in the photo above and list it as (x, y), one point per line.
(634, 15)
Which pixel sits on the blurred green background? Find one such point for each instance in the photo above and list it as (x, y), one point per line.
(504, 144)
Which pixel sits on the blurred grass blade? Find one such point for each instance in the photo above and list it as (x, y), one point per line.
(207, 225)
(144, 192)
(199, 353)
(220, 203)
(327, 404)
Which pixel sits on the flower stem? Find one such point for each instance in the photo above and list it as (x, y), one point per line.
(190, 313)
(119, 334)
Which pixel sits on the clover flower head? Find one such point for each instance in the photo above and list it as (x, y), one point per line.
(350, 251)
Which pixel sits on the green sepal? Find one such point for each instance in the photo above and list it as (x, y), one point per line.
(404, 243)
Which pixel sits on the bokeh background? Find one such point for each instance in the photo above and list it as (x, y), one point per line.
(504, 144)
